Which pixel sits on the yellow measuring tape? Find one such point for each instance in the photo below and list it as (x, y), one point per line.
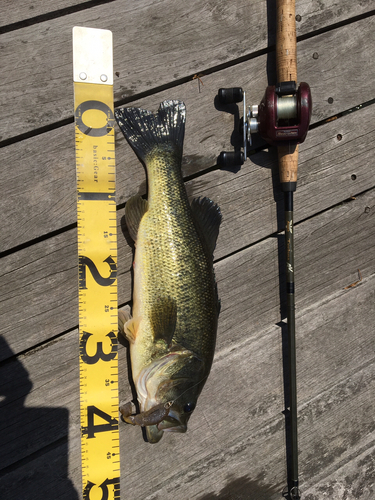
(97, 250)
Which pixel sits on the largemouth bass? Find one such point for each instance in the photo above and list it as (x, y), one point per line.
(175, 304)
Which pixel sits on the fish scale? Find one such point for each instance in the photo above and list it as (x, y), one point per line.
(175, 306)
(176, 251)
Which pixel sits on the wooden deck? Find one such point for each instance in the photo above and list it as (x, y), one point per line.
(235, 445)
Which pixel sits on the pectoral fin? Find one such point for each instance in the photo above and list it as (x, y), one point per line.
(131, 329)
(123, 316)
(135, 209)
(128, 326)
(163, 319)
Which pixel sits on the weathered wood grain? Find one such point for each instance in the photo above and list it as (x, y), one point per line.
(236, 436)
(48, 306)
(51, 272)
(310, 13)
(22, 419)
(235, 446)
(328, 254)
(180, 43)
(39, 284)
(16, 11)
(351, 481)
(44, 476)
(39, 176)
(257, 459)
(179, 47)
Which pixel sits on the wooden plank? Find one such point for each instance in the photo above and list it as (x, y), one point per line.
(39, 286)
(160, 63)
(233, 447)
(37, 426)
(254, 464)
(18, 11)
(232, 442)
(45, 476)
(201, 36)
(51, 271)
(48, 305)
(251, 460)
(41, 172)
(351, 481)
(328, 253)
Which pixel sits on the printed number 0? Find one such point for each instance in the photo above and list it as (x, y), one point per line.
(92, 131)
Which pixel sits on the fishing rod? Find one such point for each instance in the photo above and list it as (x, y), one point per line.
(282, 119)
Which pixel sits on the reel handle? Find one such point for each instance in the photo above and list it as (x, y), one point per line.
(229, 159)
(231, 95)
(286, 69)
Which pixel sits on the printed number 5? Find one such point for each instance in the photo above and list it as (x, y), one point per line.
(104, 487)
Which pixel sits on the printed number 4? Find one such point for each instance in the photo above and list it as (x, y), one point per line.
(92, 429)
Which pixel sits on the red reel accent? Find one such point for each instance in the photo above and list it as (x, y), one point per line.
(276, 131)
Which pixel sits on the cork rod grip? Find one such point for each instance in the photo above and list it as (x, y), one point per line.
(286, 69)
(288, 166)
(286, 41)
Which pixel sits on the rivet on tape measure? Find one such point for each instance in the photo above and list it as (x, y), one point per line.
(97, 250)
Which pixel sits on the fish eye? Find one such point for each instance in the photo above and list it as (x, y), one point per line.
(189, 407)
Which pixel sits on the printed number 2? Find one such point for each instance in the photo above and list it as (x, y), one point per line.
(86, 262)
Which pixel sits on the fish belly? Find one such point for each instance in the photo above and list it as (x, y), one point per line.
(170, 263)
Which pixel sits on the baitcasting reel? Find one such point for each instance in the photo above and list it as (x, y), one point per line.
(282, 116)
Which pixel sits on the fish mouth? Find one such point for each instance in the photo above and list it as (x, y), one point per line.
(155, 376)
(153, 434)
(172, 423)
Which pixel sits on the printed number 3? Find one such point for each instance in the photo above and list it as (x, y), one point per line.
(100, 354)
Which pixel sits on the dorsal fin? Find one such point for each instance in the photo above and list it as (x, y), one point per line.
(208, 218)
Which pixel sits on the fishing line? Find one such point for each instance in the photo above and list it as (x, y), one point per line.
(188, 389)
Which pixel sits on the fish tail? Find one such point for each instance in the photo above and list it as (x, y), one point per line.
(145, 130)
